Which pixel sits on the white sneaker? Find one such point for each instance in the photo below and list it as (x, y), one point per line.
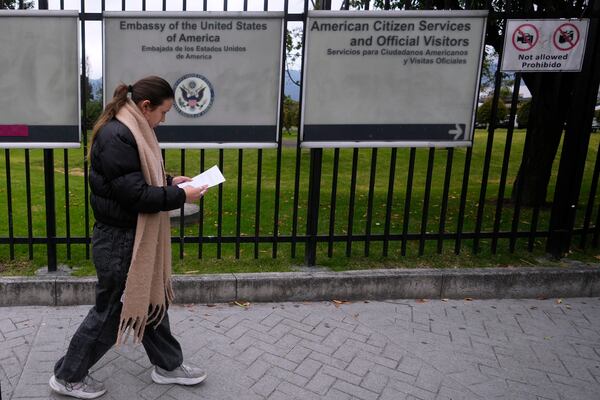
(182, 375)
(88, 388)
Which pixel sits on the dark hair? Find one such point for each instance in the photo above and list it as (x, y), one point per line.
(152, 88)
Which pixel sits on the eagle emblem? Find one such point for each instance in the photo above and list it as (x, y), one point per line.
(194, 95)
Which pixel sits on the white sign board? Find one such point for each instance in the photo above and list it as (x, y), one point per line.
(544, 45)
(391, 78)
(39, 79)
(225, 69)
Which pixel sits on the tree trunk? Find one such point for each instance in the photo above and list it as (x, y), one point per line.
(551, 95)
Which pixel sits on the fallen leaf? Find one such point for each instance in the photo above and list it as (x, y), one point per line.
(445, 300)
(242, 304)
(340, 301)
(192, 272)
(421, 301)
(558, 301)
(568, 307)
(547, 337)
(468, 299)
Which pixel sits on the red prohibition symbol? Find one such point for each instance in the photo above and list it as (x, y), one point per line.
(566, 37)
(525, 37)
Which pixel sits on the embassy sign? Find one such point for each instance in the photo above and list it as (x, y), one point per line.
(39, 79)
(225, 68)
(391, 78)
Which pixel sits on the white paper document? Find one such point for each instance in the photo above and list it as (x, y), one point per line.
(210, 177)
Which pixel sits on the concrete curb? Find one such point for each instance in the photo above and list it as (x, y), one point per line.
(484, 283)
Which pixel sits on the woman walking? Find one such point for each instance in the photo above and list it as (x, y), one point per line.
(131, 243)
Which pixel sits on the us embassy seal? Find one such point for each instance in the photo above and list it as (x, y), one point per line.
(194, 95)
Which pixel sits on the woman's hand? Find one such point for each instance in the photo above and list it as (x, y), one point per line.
(180, 179)
(193, 194)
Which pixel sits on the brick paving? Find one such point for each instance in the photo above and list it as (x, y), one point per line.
(376, 350)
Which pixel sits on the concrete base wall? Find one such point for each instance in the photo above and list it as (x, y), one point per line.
(485, 283)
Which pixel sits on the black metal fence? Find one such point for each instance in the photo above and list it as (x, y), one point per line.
(294, 202)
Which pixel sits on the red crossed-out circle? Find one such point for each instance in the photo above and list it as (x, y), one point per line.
(569, 42)
(529, 43)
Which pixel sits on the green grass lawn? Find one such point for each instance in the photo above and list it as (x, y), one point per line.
(190, 263)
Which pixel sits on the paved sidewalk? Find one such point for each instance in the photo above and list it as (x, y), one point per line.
(402, 349)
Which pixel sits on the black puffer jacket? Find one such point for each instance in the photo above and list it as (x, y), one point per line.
(119, 191)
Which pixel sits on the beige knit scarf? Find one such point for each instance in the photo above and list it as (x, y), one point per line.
(148, 288)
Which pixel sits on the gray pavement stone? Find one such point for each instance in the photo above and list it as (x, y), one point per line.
(397, 349)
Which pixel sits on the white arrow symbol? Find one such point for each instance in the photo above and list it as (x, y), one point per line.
(456, 132)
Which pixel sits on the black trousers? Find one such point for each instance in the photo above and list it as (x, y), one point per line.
(112, 249)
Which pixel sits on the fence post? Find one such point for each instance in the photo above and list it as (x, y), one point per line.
(576, 142)
(312, 214)
(49, 193)
(314, 191)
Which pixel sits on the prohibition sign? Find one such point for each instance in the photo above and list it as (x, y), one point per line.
(525, 37)
(566, 39)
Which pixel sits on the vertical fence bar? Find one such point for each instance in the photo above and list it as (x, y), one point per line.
(407, 199)
(257, 207)
(182, 209)
(351, 203)
(50, 208)
(296, 193)
(591, 197)
(279, 137)
(238, 218)
(85, 150)
(446, 193)
(333, 201)
(505, 160)
(596, 229)
(29, 213)
(67, 203)
(390, 202)
(298, 150)
(426, 197)
(11, 236)
(220, 210)
(370, 201)
(49, 189)
(201, 222)
(463, 201)
(314, 200)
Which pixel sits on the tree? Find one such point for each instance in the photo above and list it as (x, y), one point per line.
(291, 111)
(550, 91)
(484, 113)
(93, 105)
(523, 114)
